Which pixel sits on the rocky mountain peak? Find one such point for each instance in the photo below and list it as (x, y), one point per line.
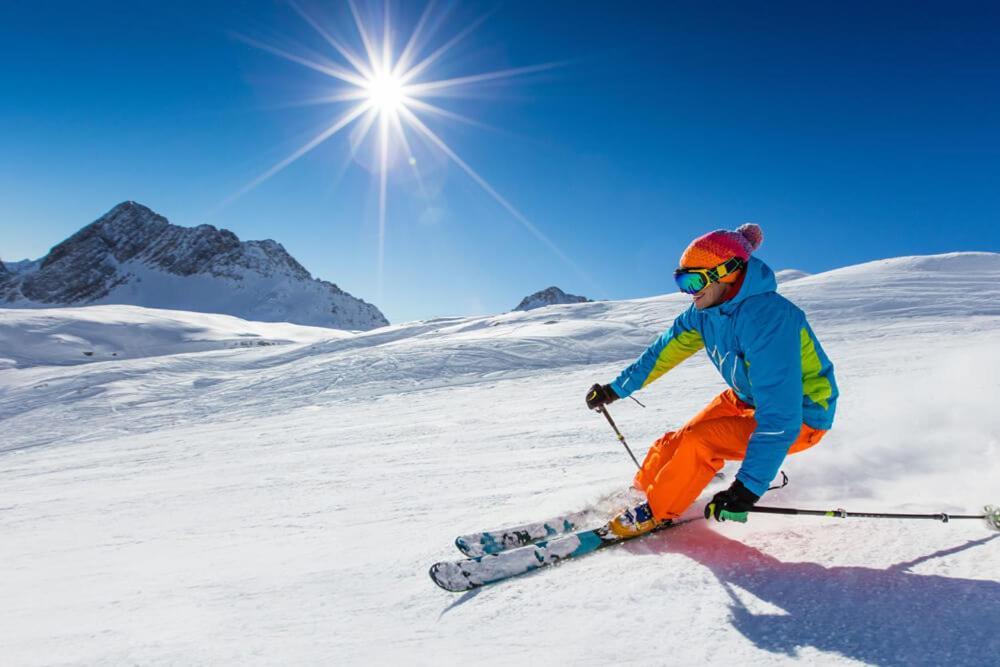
(135, 256)
(548, 297)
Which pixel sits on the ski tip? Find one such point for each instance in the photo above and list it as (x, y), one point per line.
(992, 516)
(471, 550)
(450, 577)
(433, 572)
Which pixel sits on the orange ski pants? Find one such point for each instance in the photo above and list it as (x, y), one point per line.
(680, 465)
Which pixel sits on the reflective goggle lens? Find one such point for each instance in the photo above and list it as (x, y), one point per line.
(690, 282)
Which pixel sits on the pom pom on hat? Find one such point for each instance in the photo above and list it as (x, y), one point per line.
(714, 248)
(752, 233)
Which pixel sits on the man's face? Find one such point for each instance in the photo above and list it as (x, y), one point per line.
(710, 295)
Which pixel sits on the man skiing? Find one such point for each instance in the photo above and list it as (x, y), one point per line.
(781, 397)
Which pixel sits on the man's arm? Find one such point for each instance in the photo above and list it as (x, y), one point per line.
(674, 346)
(772, 345)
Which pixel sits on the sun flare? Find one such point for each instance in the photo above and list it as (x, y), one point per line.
(390, 92)
(386, 93)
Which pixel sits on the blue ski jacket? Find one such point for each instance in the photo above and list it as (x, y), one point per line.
(766, 351)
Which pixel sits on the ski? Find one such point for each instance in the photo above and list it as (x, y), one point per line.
(504, 539)
(469, 573)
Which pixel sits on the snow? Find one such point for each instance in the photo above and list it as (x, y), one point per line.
(246, 293)
(62, 336)
(785, 275)
(282, 503)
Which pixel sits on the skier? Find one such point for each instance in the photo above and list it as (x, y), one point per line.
(782, 393)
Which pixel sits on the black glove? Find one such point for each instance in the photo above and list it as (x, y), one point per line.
(600, 394)
(731, 504)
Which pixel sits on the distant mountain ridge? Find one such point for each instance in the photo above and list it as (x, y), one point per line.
(133, 256)
(549, 296)
(787, 275)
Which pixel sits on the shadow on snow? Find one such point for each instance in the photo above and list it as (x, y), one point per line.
(888, 616)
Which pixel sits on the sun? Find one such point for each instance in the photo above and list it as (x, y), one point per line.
(386, 93)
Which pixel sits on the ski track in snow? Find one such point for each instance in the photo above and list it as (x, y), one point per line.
(192, 501)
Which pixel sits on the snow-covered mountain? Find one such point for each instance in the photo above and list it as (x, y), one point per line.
(133, 256)
(155, 508)
(786, 275)
(549, 296)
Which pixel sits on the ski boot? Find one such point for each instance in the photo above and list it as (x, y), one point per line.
(636, 521)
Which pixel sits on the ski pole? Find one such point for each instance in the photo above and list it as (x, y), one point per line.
(621, 438)
(991, 516)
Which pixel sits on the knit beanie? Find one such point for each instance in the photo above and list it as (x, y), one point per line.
(714, 248)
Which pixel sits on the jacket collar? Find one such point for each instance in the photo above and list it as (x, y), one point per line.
(759, 279)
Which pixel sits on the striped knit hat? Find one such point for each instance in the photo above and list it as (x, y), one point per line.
(714, 248)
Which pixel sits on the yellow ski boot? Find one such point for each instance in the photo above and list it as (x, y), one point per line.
(636, 521)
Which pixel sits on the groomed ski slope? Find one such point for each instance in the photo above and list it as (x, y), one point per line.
(280, 504)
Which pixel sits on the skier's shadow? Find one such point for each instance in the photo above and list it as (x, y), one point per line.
(888, 616)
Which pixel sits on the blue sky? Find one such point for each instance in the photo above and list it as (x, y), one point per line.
(848, 131)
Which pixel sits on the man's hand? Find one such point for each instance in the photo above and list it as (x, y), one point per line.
(599, 395)
(731, 504)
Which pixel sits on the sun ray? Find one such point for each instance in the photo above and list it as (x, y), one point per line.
(420, 67)
(382, 188)
(348, 54)
(329, 70)
(365, 39)
(355, 95)
(428, 88)
(397, 125)
(401, 133)
(364, 127)
(337, 126)
(414, 103)
(520, 217)
(412, 44)
(386, 41)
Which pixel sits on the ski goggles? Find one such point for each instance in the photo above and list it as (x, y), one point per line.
(692, 281)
